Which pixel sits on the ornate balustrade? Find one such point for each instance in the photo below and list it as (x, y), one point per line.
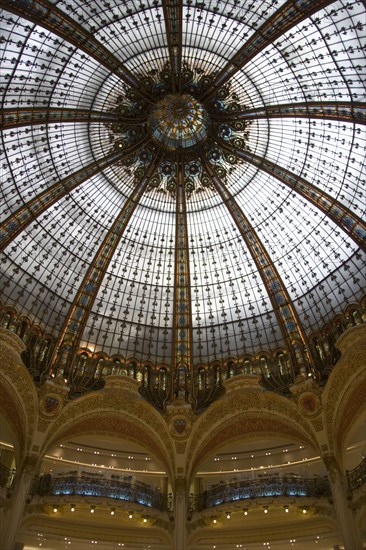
(89, 370)
(6, 476)
(357, 476)
(269, 487)
(46, 485)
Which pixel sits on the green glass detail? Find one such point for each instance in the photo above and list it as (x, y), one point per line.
(178, 122)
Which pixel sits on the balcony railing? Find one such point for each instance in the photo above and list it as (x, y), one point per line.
(6, 476)
(357, 476)
(46, 485)
(269, 487)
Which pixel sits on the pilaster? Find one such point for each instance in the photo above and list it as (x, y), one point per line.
(19, 495)
(346, 519)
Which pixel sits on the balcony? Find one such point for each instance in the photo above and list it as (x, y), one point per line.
(6, 476)
(91, 486)
(267, 487)
(357, 476)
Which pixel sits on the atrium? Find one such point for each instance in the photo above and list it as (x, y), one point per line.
(183, 289)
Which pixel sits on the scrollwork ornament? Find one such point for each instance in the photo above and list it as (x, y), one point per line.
(178, 122)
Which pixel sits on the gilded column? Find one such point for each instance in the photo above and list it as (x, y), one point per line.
(346, 520)
(14, 514)
(180, 514)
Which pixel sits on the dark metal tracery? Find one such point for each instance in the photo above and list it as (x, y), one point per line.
(205, 161)
(287, 16)
(52, 18)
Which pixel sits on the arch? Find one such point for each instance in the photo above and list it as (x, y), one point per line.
(246, 425)
(13, 419)
(353, 405)
(118, 410)
(245, 410)
(18, 396)
(115, 424)
(344, 393)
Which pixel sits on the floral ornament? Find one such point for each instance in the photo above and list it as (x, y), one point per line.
(189, 132)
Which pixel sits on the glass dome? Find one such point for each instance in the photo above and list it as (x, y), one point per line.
(178, 121)
(239, 238)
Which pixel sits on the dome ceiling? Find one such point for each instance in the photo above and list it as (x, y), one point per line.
(183, 182)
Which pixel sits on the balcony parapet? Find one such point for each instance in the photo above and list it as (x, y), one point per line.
(268, 487)
(357, 477)
(7, 476)
(47, 485)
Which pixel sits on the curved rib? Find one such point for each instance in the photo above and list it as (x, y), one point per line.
(76, 319)
(173, 15)
(24, 116)
(339, 214)
(345, 111)
(26, 214)
(291, 13)
(182, 338)
(283, 307)
(47, 15)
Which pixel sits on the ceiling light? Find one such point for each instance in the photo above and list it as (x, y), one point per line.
(305, 509)
(286, 507)
(144, 519)
(55, 508)
(72, 507)
(92, 509)
(228, 515)
(130, 515)
(265, 509)
(245, 511)
(113, 511)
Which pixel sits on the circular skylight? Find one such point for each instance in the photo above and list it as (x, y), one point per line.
(178, 121)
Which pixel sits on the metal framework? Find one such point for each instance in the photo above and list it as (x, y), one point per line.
(51, 86)
(287, 16)
(173, 24)
(283, 307)
(182, 295)
(339, 214)
(50, 17)
(21, 218)
(75, 322)
(343, 111)
(15, 118)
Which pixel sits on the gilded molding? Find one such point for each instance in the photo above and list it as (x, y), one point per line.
(323, 521)
(349, 372)
(121, 403)
(348, 411)
(38, 520)
(180, 447)
(112, 424)
(235, 408)
(235, 428)
(18, 378)
(11, 411)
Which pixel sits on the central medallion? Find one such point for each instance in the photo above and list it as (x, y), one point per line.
(178, 122)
